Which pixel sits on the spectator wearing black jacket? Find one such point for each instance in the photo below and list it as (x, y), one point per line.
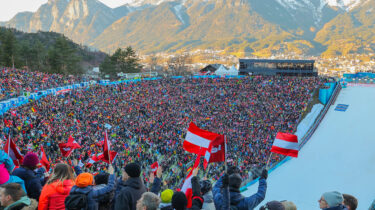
(131, 188)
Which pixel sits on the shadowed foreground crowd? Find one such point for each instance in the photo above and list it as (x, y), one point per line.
(69, 188)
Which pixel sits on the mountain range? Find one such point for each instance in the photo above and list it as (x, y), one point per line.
(240, 27)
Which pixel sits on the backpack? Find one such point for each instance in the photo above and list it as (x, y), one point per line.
(76, 201)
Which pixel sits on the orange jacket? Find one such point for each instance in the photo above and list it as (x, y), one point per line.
(53, 195)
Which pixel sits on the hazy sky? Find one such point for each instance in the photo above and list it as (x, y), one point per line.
(9, 8)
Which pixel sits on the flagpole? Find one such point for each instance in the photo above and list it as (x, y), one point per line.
(109, 156)
(268, 161)
(225, 154)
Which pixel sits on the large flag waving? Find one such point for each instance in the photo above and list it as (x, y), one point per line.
(215, 152)
(12, 150)
(44, 161)
(187, 187)
(285, 144)
(198, 141)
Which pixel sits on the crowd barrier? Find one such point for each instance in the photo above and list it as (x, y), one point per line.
(308, 134)
(326, 93)
(21, 100)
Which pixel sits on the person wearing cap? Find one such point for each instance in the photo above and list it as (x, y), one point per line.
(85, 185)
(166, 200)
(131, 188)
(27, 173)
(6, 168)
(332, 201)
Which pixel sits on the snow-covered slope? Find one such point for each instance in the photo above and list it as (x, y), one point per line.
(339, 156)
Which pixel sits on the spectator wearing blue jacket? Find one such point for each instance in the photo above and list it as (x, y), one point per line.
(84, 185)
(6, 168)
(236, 199)
(27, 173)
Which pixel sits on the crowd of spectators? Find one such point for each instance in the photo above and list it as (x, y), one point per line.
(15, 82)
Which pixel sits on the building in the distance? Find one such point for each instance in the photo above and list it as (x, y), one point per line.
(277, 67)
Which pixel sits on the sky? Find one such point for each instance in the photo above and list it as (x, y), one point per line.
(9, 8)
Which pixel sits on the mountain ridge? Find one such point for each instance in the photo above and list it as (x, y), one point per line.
(243, 27)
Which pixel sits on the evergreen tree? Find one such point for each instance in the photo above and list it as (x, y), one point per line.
(9, 48)
(125, 61)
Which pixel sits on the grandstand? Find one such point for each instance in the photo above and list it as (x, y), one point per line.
(277, 67)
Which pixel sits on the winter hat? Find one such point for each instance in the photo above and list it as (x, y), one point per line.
(133, 170)
(273, 205)
(166, 196)
(30, 160)
(179, 201)
(4, 174)
(333, 198)
(101, 178)
(235, 181)
(84, 180)
(206, 186)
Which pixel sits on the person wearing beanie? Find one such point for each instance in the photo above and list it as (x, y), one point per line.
(332, 201)
(273, 205)
(130, 189)
(6, 168)
(106, 201)
(27, 173)
(237, 200)
(179, 201)
(166, 200)
(85, 184)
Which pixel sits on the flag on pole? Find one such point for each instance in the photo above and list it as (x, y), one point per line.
(285, 144)
(67, 148)
(93, 159)
(12, 150)
(154, 167)
(198, 140)
(215, 152)
(106, 149)
(113, 155)
(187, 187)
(43, 160)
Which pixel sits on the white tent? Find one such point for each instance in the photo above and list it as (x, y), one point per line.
(221, 71)
(232, 71)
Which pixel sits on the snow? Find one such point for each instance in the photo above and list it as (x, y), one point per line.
(178, 12)
(339, 156)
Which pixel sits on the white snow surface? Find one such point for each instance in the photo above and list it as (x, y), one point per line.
(339, 156)
(178, 11)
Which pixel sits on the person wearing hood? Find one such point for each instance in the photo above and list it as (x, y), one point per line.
(27, 173)
(236, 199)
(57, 188)
(13, 197)
(6, 168)
(131, 188)
(332, 201)
(84, 185)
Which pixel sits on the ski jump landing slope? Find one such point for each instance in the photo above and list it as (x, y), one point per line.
(339, 156)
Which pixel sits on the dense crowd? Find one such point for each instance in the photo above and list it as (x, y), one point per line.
(147, 120)
(15, 82)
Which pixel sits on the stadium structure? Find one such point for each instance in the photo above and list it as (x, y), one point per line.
(277, 67)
